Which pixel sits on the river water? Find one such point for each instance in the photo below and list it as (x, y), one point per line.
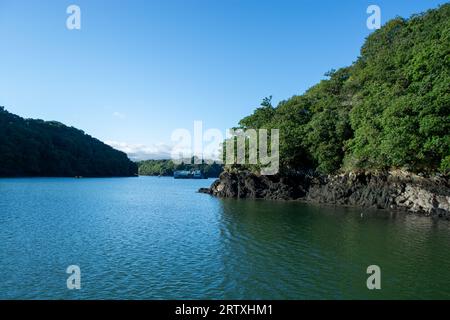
(156, 238)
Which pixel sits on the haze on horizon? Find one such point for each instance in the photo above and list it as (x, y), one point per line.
(134, 73)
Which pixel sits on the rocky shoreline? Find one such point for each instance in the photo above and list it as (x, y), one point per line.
(396, 190)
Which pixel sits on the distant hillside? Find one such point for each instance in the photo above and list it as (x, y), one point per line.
(47, 148)
(167, 167)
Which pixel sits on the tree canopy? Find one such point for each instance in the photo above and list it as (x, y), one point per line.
(167, 168)
(389, 109)
(47, 148)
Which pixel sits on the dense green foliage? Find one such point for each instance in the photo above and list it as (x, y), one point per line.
(389, 109)
(38, 148)
(167, 167)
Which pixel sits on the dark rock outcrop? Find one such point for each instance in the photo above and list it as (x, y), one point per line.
(248, 185)
(390, 190)
(398, 190)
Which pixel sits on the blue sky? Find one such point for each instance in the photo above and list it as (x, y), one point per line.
(137, 70)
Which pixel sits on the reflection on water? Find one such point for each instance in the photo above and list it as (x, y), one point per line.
(293, 250)
(156, 238)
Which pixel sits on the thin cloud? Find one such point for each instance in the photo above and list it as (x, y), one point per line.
(160, 151)
(119, 115)
(139, 152)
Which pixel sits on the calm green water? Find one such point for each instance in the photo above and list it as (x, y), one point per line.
(156, 238)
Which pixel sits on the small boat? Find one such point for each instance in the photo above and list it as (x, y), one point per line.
(185, 174)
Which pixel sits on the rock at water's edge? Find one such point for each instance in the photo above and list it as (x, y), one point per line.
(384, 190)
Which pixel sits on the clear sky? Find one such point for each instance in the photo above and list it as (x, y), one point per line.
(137, 70)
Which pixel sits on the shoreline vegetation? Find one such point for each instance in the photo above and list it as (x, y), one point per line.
(166, 168)
(37, 148)
(374, 134)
